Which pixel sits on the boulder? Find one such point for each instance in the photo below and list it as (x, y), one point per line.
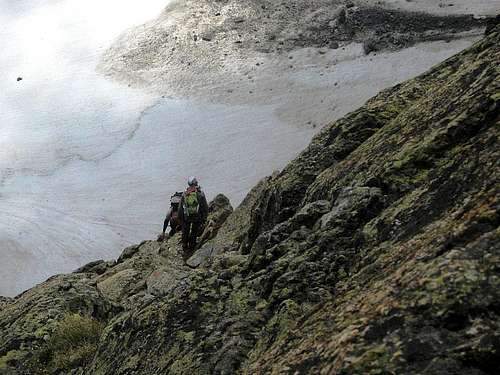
(351, 202)
(311, 212)
(127, 253)
(200, 255)
(119, 285)
(167, 280)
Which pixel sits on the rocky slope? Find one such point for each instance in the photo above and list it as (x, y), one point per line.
(220, 43)
(375, 251)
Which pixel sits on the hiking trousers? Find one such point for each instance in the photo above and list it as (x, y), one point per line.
(190, 230)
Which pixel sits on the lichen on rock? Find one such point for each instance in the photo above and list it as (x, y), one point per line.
(375, 251)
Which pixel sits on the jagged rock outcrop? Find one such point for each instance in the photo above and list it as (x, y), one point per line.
(375, 251)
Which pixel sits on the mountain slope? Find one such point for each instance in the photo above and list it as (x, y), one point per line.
(217, 46)
(375, 251)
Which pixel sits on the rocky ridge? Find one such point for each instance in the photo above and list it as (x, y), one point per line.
(218, 43)
(375, 251)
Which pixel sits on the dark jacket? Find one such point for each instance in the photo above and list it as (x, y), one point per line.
(172, 218)
(203, 207)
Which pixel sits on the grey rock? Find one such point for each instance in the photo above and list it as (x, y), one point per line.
(128, 252)
(334, 45)
(311, 212)
(200, 255)
(116, 287)
(350, 201)
(167, 280)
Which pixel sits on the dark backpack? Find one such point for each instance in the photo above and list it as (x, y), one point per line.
(175, 220)
(175, 200)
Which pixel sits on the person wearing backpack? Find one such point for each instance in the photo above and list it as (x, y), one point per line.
(193, 214)
(173, 217)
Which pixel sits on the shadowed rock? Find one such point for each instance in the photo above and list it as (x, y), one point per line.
(375, 251)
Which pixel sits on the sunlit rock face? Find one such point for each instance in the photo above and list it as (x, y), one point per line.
(87, 164)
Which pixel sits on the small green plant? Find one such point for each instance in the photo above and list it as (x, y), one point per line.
(74, 342)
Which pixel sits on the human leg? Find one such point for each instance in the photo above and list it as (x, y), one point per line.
(195, 230)
(186, 226)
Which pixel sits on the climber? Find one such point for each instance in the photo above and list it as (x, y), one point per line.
(193, 214)
(172, 217)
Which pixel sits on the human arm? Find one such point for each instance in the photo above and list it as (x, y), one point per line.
(167, 220)
(203, 206)
(180, 210)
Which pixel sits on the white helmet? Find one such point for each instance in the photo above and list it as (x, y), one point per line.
(192, 181)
